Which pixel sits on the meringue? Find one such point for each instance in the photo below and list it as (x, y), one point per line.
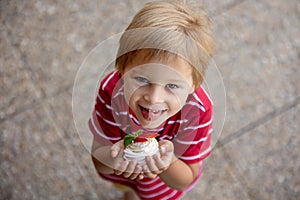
(139, 150)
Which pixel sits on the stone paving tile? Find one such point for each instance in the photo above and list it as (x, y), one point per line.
(17, 90)
(44, 42)
(267, 159)
(215, 7)
(42, 47)
(217, 170)
(260, 64)
(219, 180)
(60, 111)
(37, 163)
(54, 39)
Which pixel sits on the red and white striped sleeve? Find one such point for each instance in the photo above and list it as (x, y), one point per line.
(102, 124)
(193, 142)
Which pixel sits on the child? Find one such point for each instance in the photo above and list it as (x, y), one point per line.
(161, 63)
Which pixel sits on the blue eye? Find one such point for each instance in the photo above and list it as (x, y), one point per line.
(141, 79)
(172, 86)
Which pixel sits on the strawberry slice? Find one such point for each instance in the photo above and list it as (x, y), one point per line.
(143, 137)
(148, 135)
(140, 139)
(139, 136)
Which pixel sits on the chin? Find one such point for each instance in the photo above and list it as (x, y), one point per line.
(151, 125)
(154, 124)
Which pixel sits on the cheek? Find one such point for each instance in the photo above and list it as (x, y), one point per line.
(174, 103)
(131, 92)
(129, 89)
(179, 98)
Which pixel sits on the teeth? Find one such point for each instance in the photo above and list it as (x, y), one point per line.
(154, 111)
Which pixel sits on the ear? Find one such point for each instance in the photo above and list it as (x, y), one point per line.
(192, 89)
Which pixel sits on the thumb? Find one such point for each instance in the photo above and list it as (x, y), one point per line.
(166, 146)
(115, 149)
(114, 152)
(162, 149)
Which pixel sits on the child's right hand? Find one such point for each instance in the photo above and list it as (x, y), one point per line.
(128, 169)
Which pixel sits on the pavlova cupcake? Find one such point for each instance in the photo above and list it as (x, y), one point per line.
(140, 145)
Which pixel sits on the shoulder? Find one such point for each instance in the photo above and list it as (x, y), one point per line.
(109, 82)
(201, 99)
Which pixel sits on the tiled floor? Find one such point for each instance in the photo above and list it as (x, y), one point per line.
(44, 43)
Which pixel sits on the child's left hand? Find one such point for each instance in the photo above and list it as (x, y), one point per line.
(157, 164)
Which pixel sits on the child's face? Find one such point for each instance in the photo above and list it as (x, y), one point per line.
(156, 90)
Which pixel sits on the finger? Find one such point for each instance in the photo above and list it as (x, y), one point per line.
(151, 164)
(166, 146)
(141, 176)
(147, 172)
(165, 149)
(130, 168)
(159, 163)
(136, 173)
(162, 149)
(151, 173)
(121, 167)
(115, 151)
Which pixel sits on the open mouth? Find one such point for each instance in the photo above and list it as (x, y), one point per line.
(151, 114)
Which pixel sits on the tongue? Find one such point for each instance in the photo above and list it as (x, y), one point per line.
(151, 116)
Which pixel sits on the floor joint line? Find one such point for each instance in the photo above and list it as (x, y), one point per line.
(252, 125)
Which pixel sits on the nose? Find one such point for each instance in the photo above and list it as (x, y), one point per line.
(154, 94)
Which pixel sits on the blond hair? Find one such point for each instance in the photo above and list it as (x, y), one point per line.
(166, 30)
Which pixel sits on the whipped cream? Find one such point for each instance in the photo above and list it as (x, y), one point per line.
(139, 150)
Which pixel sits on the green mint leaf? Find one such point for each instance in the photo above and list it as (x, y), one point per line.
(128, 139)
(138, 133)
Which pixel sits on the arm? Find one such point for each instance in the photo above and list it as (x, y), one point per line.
(173, 171)
(100, 155)
(107, 148)
(109, 160)
(194, 143)
(180, 175)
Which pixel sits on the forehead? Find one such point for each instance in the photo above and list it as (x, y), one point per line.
(167, 61)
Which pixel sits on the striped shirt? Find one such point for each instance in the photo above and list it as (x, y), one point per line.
(190, 130)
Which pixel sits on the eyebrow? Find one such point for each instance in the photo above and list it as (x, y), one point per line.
(177, 81)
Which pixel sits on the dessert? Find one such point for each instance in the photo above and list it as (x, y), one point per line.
(140, 145)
